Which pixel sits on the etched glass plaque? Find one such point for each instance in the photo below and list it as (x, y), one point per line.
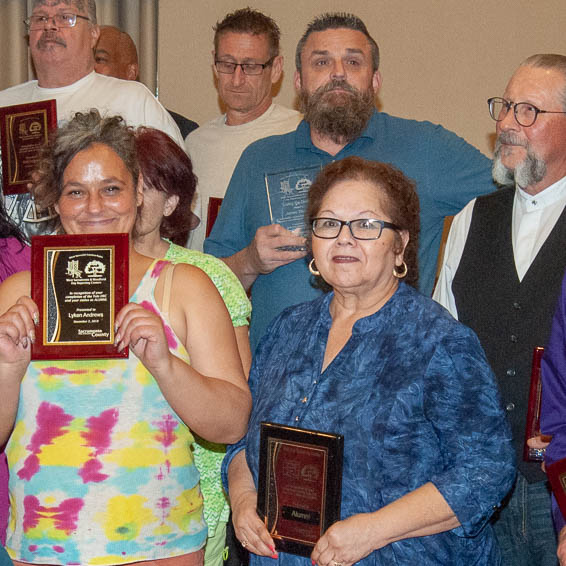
(287, 194)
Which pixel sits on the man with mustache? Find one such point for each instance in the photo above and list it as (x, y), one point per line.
(503, 267)
(337, 79)
(62, 36)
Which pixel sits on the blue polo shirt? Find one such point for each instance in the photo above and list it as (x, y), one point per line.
(448, 172)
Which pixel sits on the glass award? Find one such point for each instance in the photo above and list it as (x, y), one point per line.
(299, 485)
(287, 194)
(79, 283)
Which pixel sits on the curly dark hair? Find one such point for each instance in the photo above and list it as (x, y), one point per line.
(84, 130)
(8, 228)
(167, 168)
(399, 198)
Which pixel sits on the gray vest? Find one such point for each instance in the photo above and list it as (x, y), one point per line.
(509, 316)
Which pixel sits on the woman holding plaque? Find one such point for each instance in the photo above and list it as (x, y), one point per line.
(101, 469)
(427, 453)
(168, 189)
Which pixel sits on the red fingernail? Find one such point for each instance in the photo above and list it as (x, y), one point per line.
(313, 562)
(272, 548)
(275, 556)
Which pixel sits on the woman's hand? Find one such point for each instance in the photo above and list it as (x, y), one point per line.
(17, 332)
(345, 542)
(250, 529)
(142, 331)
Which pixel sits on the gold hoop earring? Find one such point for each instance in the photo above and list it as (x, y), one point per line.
(400, 274)
(312, 268)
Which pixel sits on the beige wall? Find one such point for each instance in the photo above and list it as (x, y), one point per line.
(441, 59)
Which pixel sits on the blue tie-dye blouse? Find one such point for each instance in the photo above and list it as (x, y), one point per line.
(416, 401)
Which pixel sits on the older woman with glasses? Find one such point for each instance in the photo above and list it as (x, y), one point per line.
(427, 453)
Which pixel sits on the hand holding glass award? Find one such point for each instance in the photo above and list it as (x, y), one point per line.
(79, 283)
(299, 485)
(287, 193)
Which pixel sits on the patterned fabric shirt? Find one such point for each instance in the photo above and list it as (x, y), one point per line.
(208, 455)
(101, 470)
(228, 285)
(416, 401)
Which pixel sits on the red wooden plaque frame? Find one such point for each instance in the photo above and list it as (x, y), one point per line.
(24, 131)
(79, 283)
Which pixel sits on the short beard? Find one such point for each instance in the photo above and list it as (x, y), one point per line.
(529, 172)
(339, 116)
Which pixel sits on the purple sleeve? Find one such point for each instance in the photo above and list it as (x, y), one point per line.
(14, 257)
(553, 410)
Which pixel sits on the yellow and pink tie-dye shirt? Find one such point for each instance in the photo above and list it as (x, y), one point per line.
(101, 470)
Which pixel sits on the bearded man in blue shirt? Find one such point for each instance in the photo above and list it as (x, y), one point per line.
(337, 79)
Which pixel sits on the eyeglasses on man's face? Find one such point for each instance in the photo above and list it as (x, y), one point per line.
(41, 21)
(361, 228)
(525, 112)
(229, 67)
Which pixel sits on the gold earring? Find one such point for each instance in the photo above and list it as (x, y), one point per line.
(400, 274)
(312, 268)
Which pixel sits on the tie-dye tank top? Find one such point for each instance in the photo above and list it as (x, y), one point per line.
(101, 470)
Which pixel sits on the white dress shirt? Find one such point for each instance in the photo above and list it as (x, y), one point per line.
(534, 218)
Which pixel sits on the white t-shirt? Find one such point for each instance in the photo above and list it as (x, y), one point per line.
(130, 99)
(215, 149)
(534, 217)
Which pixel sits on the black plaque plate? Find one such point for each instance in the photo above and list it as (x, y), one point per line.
(79, 283)
(299, 485)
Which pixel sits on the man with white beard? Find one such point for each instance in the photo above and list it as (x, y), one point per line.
(502, 271)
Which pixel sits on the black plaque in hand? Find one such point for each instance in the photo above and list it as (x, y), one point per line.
(79, 283)
(299, 485)
(24, 131)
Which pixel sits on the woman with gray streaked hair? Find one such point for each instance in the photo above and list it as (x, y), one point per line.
(101, 468)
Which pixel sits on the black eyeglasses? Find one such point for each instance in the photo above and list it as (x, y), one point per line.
(525, 112)
(34, 23)
(361, 228)
(229, 68)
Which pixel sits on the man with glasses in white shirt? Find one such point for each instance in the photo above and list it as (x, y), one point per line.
(502, 271)
(247, 64)
(62, 36)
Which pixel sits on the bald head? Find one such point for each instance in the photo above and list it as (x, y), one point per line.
(116, 54)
